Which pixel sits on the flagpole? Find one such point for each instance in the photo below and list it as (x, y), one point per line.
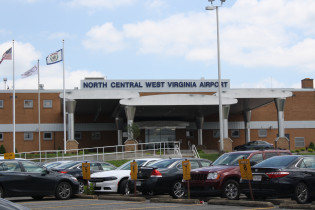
(13, 97)
(39, 147)
(64, 99)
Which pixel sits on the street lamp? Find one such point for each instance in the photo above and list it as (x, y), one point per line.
(216, 8)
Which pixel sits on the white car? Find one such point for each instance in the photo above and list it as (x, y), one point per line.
(115, 181)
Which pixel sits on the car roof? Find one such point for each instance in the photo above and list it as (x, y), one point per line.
(259, 151)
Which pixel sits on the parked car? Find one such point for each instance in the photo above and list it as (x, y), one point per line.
(8, 205)
(75, 169)
(259, 144)
(115, 181)
(223, 176)
(26, 178)
(164, 176)
(284, 176)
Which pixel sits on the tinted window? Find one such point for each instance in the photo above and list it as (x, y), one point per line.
(10, 166)
(107, 166)
(126, 166)
(257, 158)
(307, 162)
(204, 163)
(32, 167)
(163, 163)
(277, 161)
(67, 165)
(230, 159)
(270, 154)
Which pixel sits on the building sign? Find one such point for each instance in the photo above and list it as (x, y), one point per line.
(156, 85)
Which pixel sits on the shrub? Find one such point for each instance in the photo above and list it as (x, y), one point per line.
(312, 146)
(2, 149)
(89, 190)
(297, 150)
(292, 151)
(302, 149)
(310, 150)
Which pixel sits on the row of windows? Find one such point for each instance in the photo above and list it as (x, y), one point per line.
(29, 103)
(29, 136)
(234, 133)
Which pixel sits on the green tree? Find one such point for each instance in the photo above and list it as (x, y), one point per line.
(312, 146)
(2, 149)
(134, 128)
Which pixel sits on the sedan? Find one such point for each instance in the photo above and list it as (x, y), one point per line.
(115, 181)
(74, 168)
(255, 145)
(26, 178)
(283, 176)
(165, 177)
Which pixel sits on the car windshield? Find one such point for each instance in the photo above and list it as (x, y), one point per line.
(163, 163)
(229, 159)
(67, 165)
(126, 166)
(277, 162)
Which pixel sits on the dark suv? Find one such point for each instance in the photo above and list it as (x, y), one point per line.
(223, 176)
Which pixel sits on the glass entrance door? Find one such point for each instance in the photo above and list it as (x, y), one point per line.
(159, 135)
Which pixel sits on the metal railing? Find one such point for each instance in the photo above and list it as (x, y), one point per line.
(117, 152)
(195, 151)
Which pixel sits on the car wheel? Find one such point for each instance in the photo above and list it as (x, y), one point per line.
(63, 191)
(301, 193)
(37, 197)
(1, 192)
(81, 188)
(177, 190)
(231, 190)
(123, 186)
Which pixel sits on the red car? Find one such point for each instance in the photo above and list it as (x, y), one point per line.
(223, 176)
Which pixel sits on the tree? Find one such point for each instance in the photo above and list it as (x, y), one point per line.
(2, 149)
(134, 128)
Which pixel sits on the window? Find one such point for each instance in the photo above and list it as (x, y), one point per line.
(32, 167)
(96, 135)
(189, 134)
(1, 103)
(235, 133)
(10, 166)
(77, 135)
(28, 136)
(270, 154)
(28, 103)
(299, 142)
(107, 167)
(47, 103)
(256, 158)
(216, 133)
(205, 163)
(1, 136)
(262, 133)
(48, 136)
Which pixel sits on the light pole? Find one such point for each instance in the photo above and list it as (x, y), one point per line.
(216, 8)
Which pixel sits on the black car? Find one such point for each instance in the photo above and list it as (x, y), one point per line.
(255, 145)
(283, 176)
(164, 177)
(26, 178)
(75, 169)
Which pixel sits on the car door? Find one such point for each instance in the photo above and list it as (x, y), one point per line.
(309, 173)
(40, 182)
(12, 179)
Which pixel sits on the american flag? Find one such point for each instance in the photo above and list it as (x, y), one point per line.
(7, 55)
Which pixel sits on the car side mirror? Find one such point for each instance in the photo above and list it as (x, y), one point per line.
(44, 172)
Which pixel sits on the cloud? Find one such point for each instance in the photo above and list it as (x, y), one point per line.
(99, 4)
(263, 33)
(155, 4)
(105, 38)
(59, 35)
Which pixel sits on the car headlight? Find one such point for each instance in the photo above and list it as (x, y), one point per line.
(213, 175)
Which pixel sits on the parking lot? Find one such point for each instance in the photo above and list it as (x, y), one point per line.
(114, 201)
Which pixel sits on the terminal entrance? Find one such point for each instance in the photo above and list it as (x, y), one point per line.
(160, 135)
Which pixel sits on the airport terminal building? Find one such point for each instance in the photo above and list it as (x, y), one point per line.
(99, 111)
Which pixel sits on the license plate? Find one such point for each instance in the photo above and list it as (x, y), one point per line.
(257, 178)
(138, 183)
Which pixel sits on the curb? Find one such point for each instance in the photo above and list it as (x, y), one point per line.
(241, 203)
(170, 200)
(86, 196)
(121, 198)
(296, 206)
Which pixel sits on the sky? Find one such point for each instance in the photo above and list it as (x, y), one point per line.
(263, 43)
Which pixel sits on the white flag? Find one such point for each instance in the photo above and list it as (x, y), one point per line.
(54, 57)
(29, 72)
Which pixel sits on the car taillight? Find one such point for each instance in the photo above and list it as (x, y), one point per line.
(63, 172)
(156, 173)
(279, 174)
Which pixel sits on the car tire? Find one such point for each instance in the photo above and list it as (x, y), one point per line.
(301, 193)
(63, 191)
(177, 190)
(1, 192)
(82, 184)
(231, 190)
(123, 187)
(37, 197)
